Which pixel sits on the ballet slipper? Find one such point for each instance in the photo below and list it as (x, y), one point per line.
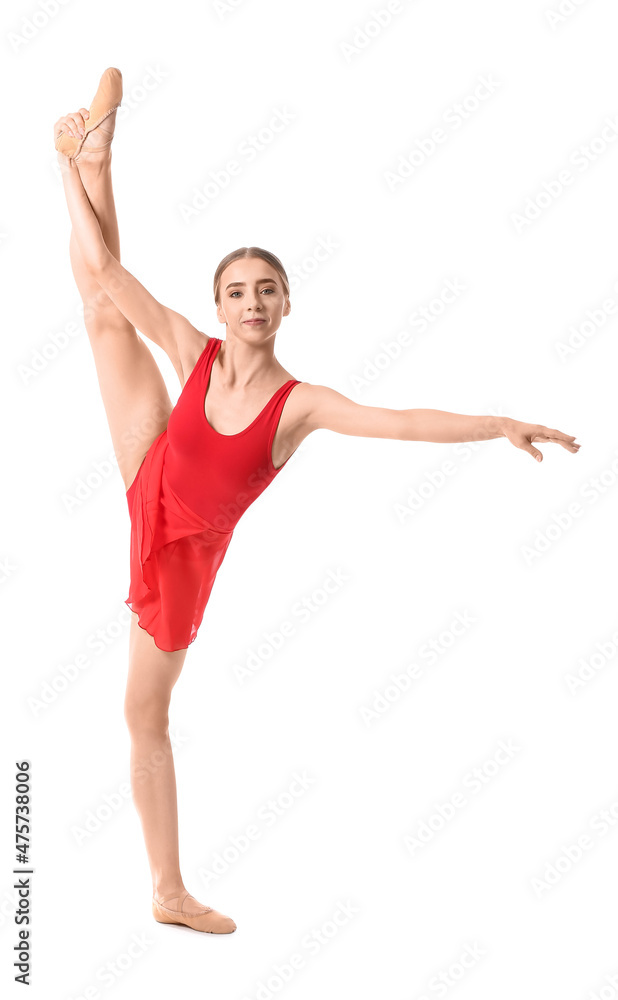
(106, 100)
(202, 918)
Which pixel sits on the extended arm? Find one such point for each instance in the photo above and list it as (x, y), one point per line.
(331, 410)
(164, 326)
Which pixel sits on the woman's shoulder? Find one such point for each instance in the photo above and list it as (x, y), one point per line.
(191, 349)
(302, 401)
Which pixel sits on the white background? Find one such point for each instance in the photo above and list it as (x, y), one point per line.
(198, 82)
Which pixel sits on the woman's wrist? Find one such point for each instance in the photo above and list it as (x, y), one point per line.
(500, 425)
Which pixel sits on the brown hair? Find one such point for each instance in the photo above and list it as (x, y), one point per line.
(243, 252)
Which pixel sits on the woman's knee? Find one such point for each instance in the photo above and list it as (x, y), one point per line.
(102, 316)
(146, 713)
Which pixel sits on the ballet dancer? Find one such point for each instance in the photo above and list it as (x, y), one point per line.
(192, 469)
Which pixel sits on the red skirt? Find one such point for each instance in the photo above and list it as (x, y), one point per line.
(175, 555)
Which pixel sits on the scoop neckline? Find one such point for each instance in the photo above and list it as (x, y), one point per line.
(244, 431)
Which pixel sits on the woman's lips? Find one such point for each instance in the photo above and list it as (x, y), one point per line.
(254, 322)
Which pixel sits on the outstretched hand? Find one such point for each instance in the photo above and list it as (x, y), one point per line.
(522, 435)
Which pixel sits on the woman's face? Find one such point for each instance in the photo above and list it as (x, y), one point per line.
(251, 289)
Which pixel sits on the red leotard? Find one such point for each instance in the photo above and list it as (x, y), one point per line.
(188, 495)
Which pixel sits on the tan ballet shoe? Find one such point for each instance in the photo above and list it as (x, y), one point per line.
(106, 100)
(204, 918)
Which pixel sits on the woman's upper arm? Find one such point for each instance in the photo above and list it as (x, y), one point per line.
(333, 411)
(181, 341)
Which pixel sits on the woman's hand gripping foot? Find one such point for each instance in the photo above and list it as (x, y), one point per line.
(97, 147)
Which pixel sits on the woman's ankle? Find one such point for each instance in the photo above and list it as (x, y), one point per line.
(168, 889)
(95, 164)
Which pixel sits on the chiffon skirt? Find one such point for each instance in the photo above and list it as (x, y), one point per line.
(174, 558)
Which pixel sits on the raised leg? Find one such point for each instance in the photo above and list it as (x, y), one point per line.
(135, 397)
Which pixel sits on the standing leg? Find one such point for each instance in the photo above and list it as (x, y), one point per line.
(152, 675)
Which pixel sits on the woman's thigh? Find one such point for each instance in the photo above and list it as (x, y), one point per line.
(135, 397)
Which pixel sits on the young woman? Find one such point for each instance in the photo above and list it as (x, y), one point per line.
(191, 470)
